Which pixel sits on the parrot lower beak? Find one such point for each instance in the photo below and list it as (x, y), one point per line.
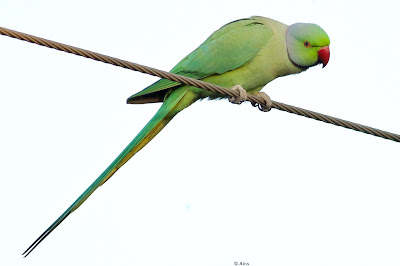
(323, 56)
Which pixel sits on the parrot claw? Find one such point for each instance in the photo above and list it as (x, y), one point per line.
(268, 103)
(242, 95)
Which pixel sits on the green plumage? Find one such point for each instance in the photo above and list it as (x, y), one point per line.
(231, 47)
(248, 52)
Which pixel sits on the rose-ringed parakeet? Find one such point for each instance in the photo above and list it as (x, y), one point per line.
(245, 54)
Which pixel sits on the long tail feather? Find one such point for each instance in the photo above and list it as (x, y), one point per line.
(175, 103)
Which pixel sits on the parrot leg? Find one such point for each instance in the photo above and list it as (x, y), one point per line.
(242, 95)
(268, 103)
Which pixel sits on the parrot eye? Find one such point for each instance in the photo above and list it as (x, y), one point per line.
(307, 44)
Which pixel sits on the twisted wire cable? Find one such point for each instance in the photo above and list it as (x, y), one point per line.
(256, 101)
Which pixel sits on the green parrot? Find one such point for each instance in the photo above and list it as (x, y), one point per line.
(245, 54)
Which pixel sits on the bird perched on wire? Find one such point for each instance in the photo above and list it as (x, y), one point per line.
(244, 55)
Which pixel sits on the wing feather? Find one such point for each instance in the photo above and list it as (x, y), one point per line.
(229, 48)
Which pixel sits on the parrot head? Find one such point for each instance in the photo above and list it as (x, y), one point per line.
(307, 45)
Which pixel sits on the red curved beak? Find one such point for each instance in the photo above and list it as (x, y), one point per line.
(323, 56)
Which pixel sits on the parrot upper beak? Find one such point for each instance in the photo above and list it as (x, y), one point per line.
(323, 56)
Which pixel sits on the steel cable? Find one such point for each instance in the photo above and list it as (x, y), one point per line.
(197, 83)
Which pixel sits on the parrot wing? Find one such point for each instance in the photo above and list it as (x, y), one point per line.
(230, 47)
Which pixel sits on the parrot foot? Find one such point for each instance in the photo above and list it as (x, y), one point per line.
(242, 95)
(268, 103)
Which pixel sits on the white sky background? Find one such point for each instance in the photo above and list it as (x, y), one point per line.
(221, 183)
